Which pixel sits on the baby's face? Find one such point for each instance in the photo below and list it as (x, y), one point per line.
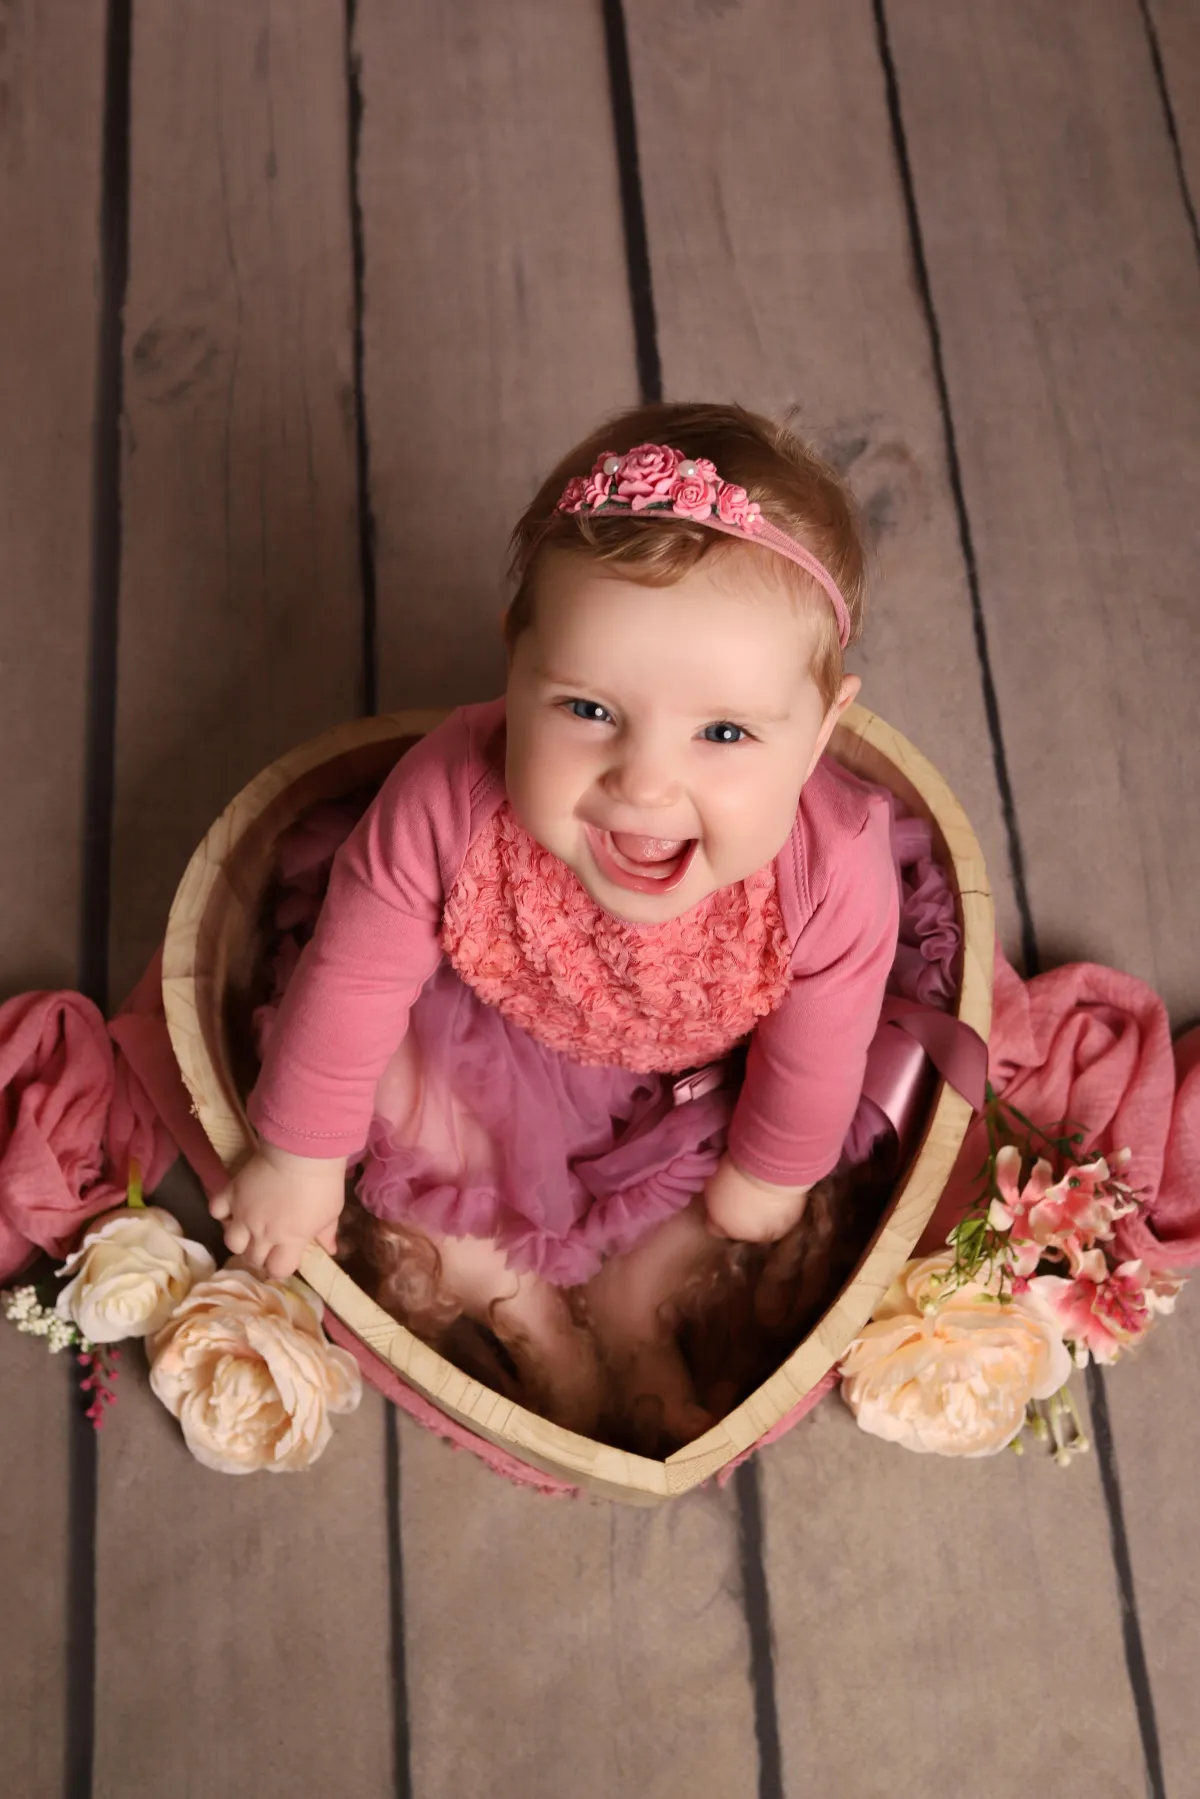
(658, 738)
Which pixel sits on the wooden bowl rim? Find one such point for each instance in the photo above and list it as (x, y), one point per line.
(862, 737)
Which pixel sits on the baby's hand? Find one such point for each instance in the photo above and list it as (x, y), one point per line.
(277, 1204)
(750, 1210)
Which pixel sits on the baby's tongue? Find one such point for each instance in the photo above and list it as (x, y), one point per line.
(647, 849)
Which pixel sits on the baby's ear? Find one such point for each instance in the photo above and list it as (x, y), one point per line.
(847, 693)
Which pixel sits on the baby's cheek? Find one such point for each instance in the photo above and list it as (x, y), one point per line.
(748, 832)
(525, 768)
(544, 786)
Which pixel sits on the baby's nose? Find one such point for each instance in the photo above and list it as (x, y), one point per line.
(644, 781)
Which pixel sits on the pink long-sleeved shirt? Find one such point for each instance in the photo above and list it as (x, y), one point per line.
(378, 941)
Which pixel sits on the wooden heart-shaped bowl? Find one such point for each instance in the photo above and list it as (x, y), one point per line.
(214, 940)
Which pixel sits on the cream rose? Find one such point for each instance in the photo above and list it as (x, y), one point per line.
(130, 1272)
(951, 1373)
(246, 1368)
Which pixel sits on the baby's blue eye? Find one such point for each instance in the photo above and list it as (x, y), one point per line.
(724, 733)
(591, 710)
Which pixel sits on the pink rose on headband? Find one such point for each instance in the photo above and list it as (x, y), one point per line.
(735, 507)
(574, 494)
(692, 496)
(645, 474)
(599, 484)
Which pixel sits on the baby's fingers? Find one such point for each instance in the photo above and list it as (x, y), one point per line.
(327, 1238)
(282, 1260)
(219, 1204)
(237, 1238)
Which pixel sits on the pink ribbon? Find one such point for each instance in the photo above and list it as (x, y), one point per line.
(909, 1038)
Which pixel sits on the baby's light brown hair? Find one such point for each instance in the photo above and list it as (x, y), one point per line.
(796, 491)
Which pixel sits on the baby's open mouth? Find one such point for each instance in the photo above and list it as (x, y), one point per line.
(641, 864)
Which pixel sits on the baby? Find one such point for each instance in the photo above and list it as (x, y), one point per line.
(565, 909)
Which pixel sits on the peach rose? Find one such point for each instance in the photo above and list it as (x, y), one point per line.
(246, 1368)
(130, 1272)
(951, 1372)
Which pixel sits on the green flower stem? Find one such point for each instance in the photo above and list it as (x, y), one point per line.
(134, 1197)
(1081, 1442)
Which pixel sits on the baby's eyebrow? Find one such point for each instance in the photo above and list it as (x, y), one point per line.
(751, 714)
(545, 674)
(755, 717)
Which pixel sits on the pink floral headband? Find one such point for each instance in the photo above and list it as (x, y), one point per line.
(652, 478)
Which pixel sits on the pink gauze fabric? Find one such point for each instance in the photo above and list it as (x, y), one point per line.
(1093, 1046)
(74, 1116)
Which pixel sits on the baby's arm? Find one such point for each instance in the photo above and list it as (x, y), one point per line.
(807, 1059)
(346, 1008)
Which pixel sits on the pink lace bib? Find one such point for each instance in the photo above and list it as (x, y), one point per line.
(521, 931)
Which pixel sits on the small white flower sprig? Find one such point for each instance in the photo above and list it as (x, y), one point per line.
(23, 1307)
(26, 1307)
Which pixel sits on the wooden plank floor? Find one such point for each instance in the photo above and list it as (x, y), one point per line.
(52, 84)
(1093, 415)
(240, 634)
(833, 321)
(347, 296)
